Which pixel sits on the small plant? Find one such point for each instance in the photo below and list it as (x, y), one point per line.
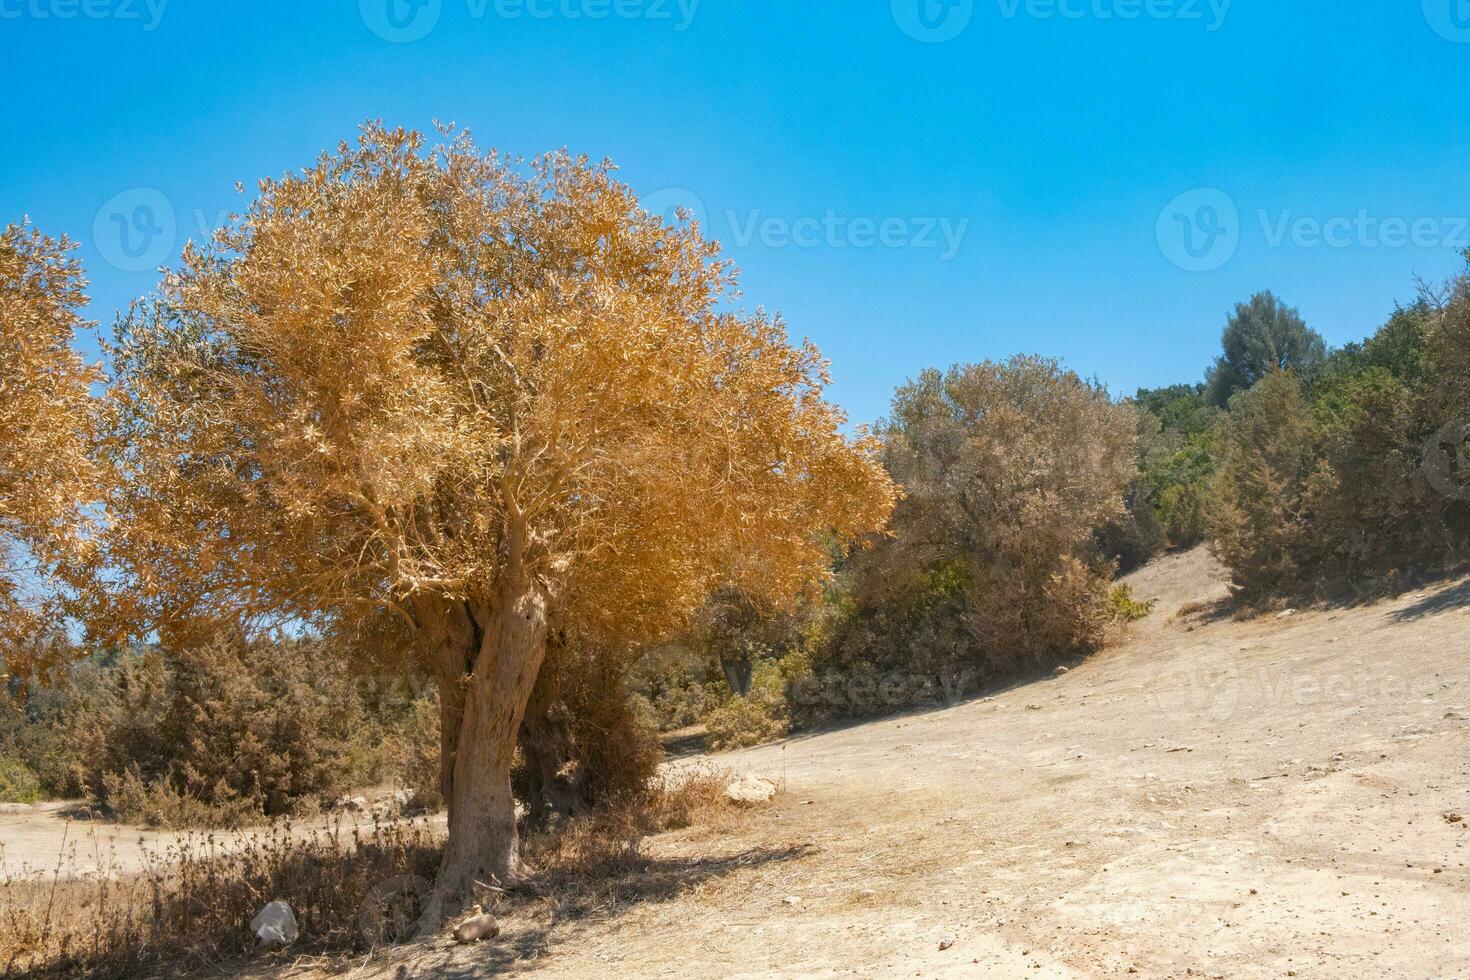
(1124, 608)
(759, 716)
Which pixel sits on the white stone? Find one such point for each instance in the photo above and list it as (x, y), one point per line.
(749, 790)
(275, 925)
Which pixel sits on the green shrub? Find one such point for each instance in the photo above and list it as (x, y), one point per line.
(1124, 608)
(413, 749)
(17, 783)
(232, 730)
(1258, 529)
(760, 716)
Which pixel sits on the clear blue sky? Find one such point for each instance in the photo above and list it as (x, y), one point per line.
(1054, 133)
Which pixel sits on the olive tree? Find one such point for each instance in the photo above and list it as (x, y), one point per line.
(47, 476)
(435, 400)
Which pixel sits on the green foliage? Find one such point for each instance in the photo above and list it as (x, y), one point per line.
(1124, 608)
(18, 784)
(1009, 469)
(1267, 457)
(674, 687)
(259, 728)
(760, 716)
(413, 751)
(1261, 336)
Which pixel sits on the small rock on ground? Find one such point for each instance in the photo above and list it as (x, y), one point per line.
(749, 790)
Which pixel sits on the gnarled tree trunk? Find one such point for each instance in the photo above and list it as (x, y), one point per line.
(555, 781)
(480, 713)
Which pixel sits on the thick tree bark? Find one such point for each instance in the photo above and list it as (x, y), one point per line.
(484, 713)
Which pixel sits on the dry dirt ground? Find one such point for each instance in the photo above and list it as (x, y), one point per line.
(1211, 796)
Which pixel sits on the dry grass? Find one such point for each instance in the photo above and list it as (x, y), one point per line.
(351, 890)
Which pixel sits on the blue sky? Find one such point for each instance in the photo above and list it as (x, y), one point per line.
(909, 185)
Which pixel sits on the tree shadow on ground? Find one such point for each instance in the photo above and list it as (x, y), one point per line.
(533, 914)
(1455, 597)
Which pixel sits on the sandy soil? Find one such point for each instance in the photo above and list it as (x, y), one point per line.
(1209, 797)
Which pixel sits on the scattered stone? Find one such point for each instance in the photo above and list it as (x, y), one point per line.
(749, 790)
(478, 925)
(1062, 671)
(945, 943)
(1453, 818)
(792, 900)
(867, 893)
(275, 925)
(1286, 614)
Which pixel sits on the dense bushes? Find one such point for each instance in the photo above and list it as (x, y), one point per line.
(1326, 485)
(1008, 471)
(230, 732)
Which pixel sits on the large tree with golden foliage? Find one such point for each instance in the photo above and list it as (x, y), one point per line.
(46, 426)
(436, 400)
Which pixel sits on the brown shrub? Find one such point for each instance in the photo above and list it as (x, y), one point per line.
(1008, 470)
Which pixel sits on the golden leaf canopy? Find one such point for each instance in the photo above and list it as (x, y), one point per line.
(47, 415)
(410, 371)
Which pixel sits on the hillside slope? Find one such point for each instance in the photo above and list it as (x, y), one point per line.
(1210, 797)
